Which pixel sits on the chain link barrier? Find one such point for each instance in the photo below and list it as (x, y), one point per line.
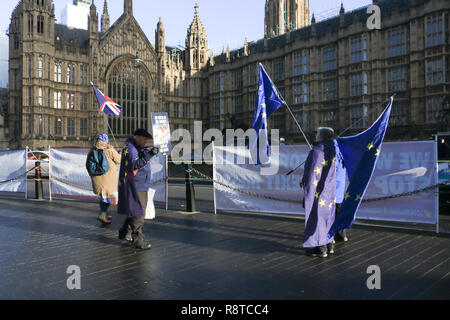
(18, 177)
(84, 188)
(207, 178)
(405, 194)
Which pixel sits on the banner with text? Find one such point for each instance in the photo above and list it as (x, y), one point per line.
(69, 177)
(402, 167)
(13, 176)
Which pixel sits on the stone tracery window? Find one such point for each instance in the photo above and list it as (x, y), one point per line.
(128, 85)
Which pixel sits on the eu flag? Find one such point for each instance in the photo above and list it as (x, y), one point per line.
(269, 101)
(107, 105)
(360, 154)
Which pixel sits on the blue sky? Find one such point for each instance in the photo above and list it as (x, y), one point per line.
(226, 22)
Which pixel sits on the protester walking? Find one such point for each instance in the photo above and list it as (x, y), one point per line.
(319, 184)
(101, 164)
(134, 177)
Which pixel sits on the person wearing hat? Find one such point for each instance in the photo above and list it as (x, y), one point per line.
(135, 157)
(105, 185)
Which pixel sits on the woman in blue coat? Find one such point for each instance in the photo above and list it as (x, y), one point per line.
(135, 160)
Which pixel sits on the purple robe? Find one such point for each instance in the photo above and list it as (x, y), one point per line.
(133, 159)
(319, 181)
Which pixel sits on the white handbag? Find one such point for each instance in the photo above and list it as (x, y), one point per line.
(150, 210)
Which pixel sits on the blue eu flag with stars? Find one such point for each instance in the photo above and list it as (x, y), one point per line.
(360, 154)
(269, 101)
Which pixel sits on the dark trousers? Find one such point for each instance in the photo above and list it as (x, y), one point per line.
(134, 225)
(341, 234)
(104, 206)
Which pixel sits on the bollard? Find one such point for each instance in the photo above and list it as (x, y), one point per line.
(190, 194)
(38, 182)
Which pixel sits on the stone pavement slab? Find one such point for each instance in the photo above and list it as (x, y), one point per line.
(204, 256)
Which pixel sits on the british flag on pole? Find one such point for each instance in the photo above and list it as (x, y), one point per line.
(107, 105)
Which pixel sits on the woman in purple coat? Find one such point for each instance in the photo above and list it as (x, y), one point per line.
(135, 157)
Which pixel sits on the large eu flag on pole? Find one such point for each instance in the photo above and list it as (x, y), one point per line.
(107, 105)
(360, 154)
(269, 101)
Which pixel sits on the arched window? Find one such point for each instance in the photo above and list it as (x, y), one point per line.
(71, 74)
(30, 23)
(40, 24)
(129, 85)
(58, 127)
(58, 72)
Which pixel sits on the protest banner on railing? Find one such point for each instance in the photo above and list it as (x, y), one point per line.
(13, 177)
(403, 167)
(69, 177)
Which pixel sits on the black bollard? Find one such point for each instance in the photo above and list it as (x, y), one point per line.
(38, 182)
(190, 194)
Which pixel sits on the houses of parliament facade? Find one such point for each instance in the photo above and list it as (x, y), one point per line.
(334, 73)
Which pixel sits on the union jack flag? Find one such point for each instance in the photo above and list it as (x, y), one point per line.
(107, 105)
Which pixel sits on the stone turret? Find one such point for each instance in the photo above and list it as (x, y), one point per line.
(196, 44)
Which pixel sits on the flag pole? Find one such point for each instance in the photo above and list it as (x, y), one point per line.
(107, 122)
(290, 111)
(392, 97)
(298, 125)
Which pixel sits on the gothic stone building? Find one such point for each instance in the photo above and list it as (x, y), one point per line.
(338, 72)
(51, 67)
(331, 73)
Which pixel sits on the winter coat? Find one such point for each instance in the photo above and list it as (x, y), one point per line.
(106, 184)
(134, 158)
(143, 178)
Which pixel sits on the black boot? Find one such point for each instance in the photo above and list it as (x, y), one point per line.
(330, 248)
(125, 235)
(320, 252)
(341, 236)
(142, 244)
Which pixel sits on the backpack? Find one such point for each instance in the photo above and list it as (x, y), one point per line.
(97, 163)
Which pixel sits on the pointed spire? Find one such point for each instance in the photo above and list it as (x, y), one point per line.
(245, 48)
(228, 53)
(196, 25)
(93, 8)
(196, 43)
(105, 18)
(93, 22)
(160, 26)
(211, 59)
(196, 8)
(160, 38)
(342, 15)
(313, 26)
(128, 7)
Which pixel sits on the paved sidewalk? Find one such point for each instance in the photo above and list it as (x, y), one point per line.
(228, 256)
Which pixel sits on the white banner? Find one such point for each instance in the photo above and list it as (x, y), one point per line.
(402, 167)
(69, 177)
(14, 165)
